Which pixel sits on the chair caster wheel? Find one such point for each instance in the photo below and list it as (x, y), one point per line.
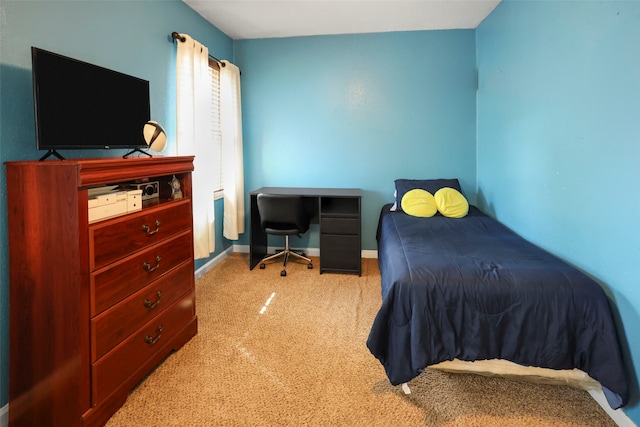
(309, 266)
(262, 266)
(283, 273)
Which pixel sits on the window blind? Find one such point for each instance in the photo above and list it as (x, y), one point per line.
(216, 127)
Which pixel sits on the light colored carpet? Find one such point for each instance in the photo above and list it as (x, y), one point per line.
(302, 360)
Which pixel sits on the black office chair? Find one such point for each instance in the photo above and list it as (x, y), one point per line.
(283, 215)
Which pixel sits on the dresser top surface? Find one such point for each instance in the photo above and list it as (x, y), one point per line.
(100, 171)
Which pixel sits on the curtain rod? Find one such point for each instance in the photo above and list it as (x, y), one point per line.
(176, 36)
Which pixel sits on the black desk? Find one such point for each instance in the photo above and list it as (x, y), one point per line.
(336, 210)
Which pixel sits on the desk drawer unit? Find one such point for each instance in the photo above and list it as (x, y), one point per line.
(340, 239)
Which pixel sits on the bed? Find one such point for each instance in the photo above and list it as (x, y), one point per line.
(470, 289)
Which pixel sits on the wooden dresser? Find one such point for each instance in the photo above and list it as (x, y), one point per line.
(94, 307)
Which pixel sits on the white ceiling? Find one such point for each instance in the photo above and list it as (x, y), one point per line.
(253, 19)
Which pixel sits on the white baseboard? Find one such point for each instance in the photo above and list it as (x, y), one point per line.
(4, 415)
(243, 249)
(211, 263)
(617, 415)
(309, 251)
(367, 253)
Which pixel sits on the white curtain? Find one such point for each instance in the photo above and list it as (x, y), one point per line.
(232, 169)
(193, 112)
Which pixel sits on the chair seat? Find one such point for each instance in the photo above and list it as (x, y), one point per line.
(282, 232)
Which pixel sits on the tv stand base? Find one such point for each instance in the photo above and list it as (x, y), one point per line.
(136, 150)
(51, 152)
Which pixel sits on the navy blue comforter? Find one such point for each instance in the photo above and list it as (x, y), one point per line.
(471, 289)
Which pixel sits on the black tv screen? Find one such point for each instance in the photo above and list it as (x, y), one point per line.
(79, 105)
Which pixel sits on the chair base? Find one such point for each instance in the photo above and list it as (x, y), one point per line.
(286, 253)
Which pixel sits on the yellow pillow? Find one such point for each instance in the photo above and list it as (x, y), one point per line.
(451, 203)
(418, 202)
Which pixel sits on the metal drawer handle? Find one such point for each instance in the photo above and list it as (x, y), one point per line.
(147, 266)
(150, 340)
(151, 305)
(147, 230)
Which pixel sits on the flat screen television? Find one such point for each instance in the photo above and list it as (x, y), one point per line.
(84, 106)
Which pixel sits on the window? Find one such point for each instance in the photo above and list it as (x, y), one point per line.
(216, 133)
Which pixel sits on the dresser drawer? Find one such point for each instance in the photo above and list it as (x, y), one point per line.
(120, 363)
(122, 278)
(340, 226)
(116, 324)
(114, 239)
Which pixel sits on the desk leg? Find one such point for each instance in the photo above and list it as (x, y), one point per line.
(257, 237)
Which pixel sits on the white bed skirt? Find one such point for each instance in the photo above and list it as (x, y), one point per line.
(504, 368)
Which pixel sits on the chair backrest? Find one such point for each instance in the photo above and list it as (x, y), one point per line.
(282, 213)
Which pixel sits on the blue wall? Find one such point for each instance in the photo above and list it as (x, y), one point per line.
(559, 140)
(359, 111)
(128, 36)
